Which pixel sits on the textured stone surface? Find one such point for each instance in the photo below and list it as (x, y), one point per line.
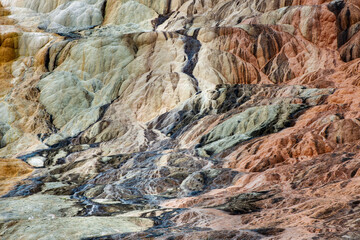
(209, 119)
(251, 123)
(11, 172)
(75, 228)
(55, 217)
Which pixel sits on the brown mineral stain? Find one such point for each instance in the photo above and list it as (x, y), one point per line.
(11, 172)
(9, 45)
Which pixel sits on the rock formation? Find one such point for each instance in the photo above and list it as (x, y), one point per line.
(169, 119)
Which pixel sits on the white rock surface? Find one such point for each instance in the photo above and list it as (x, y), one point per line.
(37, 161)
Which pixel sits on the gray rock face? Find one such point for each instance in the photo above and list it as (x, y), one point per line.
(244, 203)
(63, 228)
(37, 207)
(56, 217)
(64, 97)
(253, 122)
(195, 182)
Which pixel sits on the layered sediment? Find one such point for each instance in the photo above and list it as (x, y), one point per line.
(179, 119)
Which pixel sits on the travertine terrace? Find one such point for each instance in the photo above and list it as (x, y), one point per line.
(169, 119)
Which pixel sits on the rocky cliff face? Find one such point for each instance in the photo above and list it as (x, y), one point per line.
(134, 119)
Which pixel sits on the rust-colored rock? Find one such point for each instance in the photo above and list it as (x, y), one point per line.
(12, 171)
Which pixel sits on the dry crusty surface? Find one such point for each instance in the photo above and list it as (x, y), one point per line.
(191, 119)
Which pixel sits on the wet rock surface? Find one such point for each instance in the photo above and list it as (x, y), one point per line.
(179, 119)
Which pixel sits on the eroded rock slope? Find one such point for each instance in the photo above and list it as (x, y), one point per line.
(174, 119)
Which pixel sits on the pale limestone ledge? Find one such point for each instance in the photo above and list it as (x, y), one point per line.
(54, 217)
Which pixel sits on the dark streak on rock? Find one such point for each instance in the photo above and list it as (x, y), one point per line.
(191, 48)
(269, 231)
(71, 35)
(26, 188)
(103, 8)
(168, 7)
(159, 20)
(336, 6)
(47, 59)
(244, 203)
